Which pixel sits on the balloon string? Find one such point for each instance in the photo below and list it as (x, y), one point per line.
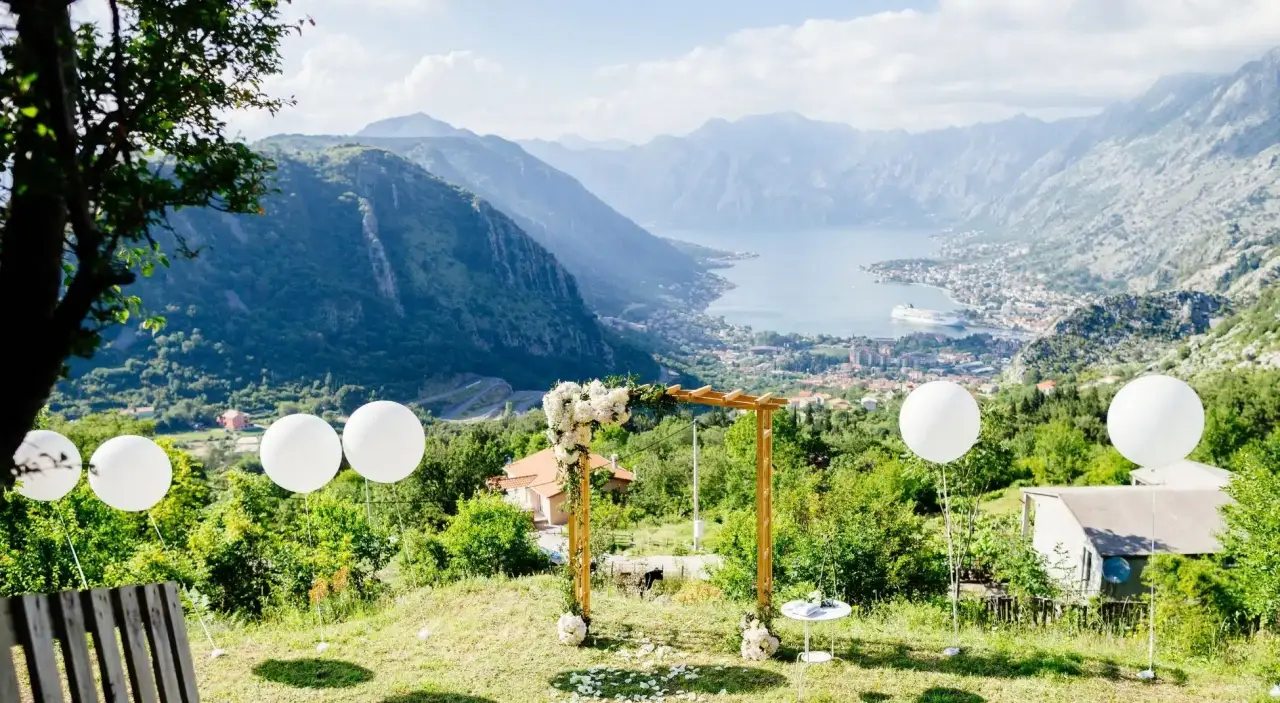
(187, 591)
(84, 583)
(408, 553)
(306, 507)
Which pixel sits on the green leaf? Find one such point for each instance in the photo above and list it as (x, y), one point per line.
(30, 111)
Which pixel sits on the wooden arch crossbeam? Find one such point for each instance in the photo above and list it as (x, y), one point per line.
(764, 407)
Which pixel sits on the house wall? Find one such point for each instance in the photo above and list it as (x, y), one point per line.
(1058, 537)
(556, 508)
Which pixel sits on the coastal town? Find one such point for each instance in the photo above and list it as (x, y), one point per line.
(977, 274)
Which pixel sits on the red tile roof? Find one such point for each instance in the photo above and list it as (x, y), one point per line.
(539, 473)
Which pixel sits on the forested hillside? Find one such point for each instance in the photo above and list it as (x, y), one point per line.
(364, 269)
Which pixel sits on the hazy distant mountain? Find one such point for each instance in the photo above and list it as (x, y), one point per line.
(618, 265)
(771, 172)
(573, 141)
(415, 125)
(1181, 184)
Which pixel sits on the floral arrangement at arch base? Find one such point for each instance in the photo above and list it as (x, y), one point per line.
(573, 413)
(758, 644)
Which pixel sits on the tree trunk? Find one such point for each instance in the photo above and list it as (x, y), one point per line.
(31, 251)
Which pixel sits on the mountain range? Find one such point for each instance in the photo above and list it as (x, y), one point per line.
(620, 267)
(365, 268)
(1179, 186)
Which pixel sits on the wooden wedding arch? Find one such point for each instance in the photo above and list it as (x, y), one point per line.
(764, 407)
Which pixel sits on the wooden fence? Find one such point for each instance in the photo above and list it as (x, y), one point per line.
(151, 646)
(1044, 611)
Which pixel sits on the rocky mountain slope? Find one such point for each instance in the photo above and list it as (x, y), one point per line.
(1180, 186)
(1248, 339)
(364, 268)
(618, 265)
(1118, 331)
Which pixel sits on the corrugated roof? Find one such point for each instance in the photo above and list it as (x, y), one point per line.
(1183, 474)
(1118, 519)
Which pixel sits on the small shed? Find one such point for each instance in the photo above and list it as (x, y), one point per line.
(1075, 529)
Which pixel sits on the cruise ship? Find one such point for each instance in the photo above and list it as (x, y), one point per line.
(920, 316)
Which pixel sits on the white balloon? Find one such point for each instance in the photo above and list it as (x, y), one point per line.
(130, 473)
(1155, 420)
(384, 441)
(940, 421)
(51, 465)
(301, 453)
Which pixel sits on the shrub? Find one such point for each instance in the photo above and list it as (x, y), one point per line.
(490, 536)
(856, 544)
(423, 558)
(1010, 559)
(241, 556)
(1195, 605)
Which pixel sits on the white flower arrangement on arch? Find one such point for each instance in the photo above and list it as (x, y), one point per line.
(573, 413)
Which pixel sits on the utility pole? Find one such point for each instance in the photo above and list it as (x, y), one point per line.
(697, 524)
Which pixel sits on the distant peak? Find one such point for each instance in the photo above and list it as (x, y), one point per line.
(419, 124)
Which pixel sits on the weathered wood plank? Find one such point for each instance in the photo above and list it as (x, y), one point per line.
(35, 635)
(101, 622)
(8, 640)
(133, 634)
(70, 629)
(179, 641)
(161, 650)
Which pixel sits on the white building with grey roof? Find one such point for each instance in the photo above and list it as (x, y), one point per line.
(1076, 529)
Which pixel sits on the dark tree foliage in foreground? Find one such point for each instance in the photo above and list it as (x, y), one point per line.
(107, 126)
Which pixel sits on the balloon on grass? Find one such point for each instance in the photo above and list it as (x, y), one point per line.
(940, 421)
(49, 465)
(300, 453)
(384, 441)
(130, 473)
(1155, 420)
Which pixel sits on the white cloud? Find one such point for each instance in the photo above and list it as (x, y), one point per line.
(966, 61)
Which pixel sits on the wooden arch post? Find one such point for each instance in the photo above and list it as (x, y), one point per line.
(764, 407)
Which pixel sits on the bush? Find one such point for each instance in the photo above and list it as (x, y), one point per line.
(490, 536)
(241, 556)
(423, 558)
(1002, 552)
(856, 544)
(1195, 606)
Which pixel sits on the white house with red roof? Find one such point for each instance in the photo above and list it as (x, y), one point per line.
(532, 484)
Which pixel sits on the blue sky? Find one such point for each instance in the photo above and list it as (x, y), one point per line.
(635, 69)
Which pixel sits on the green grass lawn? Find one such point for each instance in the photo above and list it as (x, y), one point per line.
(494, 641)
(1004, 502)
(670, 538)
